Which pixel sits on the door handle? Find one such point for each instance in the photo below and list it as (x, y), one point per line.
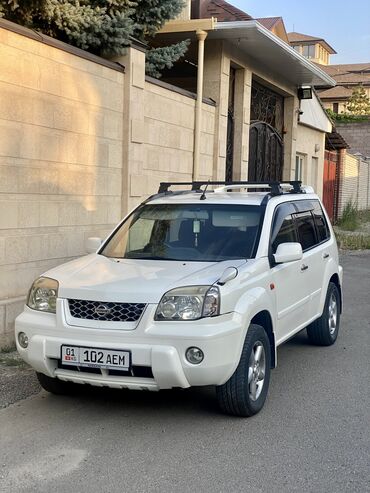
(304, 267)
(325, 255)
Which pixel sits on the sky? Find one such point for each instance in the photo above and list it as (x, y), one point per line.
(344, 24)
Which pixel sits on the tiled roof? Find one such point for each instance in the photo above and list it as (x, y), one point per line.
(353, 78)
(349, 74)
(335, 92)
(222, 10)
(295, 38)
(269, 22)
(353, 68)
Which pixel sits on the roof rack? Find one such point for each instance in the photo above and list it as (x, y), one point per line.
(276, 187)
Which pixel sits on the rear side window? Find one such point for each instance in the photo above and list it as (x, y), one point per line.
(320, 221)
(286, 234)
(306, 230)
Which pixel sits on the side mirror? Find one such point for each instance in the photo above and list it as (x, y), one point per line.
(92, 244)
(288, 252)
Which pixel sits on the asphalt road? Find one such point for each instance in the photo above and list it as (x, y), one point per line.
(312, 436)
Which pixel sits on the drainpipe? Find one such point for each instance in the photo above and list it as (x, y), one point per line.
(201, 36)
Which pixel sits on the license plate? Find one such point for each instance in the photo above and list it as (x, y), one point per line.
(95, 357)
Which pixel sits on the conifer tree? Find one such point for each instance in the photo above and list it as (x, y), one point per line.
(103, 27)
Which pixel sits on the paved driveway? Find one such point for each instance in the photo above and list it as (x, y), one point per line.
(312, 436)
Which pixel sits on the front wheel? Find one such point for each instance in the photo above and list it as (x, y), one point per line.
(54, 385)
(244, 394)
(324, 330)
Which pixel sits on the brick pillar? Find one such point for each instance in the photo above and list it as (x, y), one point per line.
(291, 105)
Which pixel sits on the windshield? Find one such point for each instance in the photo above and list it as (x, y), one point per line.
(187, 232)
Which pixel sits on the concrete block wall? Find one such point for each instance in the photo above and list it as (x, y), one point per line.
(354, 184)
(357, 135)
(60, 162)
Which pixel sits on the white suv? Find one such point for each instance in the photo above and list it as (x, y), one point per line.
(194, 287)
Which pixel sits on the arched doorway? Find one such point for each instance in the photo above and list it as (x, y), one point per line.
(265, 153)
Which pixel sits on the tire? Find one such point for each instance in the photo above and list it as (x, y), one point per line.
(324, 330)
(54, 385)
(244, 394)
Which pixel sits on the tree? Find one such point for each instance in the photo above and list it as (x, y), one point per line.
(358, 103)
(103, 27)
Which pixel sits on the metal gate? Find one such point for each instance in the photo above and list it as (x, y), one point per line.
(330, 183)
(265, 153)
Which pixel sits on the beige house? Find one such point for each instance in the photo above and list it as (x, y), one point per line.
(253, 76)
(347, 76)
(315, 49)
(83, 139)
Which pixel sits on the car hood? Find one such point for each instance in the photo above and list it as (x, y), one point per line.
(99, 278)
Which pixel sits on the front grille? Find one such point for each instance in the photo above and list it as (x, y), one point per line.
(106, 311)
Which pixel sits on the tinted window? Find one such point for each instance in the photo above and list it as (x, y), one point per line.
(320, 221)
(286, 234)
(306, 230)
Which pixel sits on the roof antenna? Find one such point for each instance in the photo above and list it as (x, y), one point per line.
(203, 196)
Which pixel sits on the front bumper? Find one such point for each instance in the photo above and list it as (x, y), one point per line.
(160, 346)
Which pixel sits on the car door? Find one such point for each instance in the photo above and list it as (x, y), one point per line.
(312, 259)
(315, 252)
(289, 279)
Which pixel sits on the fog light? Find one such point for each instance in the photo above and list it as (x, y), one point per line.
(23, 340)
(194, 355)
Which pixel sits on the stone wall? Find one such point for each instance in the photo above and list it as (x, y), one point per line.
(168, 140)
(354, 184)
(60, 161)
(81, 143)
(357, 136)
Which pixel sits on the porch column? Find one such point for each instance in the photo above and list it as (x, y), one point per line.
(201, 36)
(216, 86)
(291, 108)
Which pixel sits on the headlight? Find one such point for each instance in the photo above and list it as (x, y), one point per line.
(43, 295)
(189, 303)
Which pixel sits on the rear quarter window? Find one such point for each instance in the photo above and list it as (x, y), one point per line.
(322, 227)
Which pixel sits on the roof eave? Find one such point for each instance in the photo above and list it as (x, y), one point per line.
(325, 79)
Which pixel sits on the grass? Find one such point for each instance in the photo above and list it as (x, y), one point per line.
(9, 357)
(353, 241)
(10, 361)
(8, 349)
(353, 228)
(349, 220)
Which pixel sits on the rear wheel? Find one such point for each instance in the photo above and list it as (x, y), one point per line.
(244, 394)
(54, 385)
(324, 330)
